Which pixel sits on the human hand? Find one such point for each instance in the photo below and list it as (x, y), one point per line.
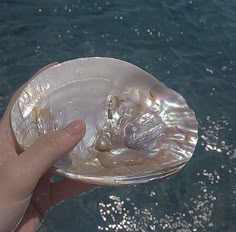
(26, 192)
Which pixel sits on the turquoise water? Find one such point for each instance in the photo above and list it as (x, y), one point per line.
(188, 45)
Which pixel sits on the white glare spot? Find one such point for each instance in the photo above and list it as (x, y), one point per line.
(209, 70)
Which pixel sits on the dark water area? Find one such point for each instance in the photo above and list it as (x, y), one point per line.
(188, 45)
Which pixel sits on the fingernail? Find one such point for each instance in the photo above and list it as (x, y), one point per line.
(75, 128)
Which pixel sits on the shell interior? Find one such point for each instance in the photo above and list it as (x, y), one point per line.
(137, 128)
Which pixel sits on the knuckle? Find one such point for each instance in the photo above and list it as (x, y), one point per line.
(48, 142)
(53, 141)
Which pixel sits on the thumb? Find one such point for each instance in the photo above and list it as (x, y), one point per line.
(27, 169)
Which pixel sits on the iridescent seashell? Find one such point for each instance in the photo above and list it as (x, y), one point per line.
(137, 129)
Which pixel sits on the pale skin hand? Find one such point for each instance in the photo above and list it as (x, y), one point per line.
(26, 192)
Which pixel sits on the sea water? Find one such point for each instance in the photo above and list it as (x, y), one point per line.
(188, 45)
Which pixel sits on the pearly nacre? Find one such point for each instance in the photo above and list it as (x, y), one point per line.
(137, 128)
